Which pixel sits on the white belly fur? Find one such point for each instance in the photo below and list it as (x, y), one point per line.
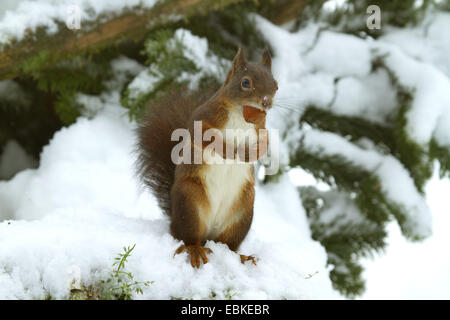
(224, 183)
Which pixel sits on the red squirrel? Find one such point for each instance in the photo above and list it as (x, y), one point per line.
(209, 201)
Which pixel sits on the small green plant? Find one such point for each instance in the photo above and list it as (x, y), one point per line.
(121, 284)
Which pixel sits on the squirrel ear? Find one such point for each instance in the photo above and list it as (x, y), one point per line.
(266, 58)
(239, 59)
(239, 62)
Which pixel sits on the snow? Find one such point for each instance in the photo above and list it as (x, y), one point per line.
(331, 70)
(429, 111)
(418, 58)
(144, 82)
(123, 69)
(11, 91)
(16, 19)
(395, 181)
(8, 5)
(287, 47)
(13, 159)
(415, 270)
(426, 42)
(83, 204)
(196, 50)
(356, 95)
(340, 211)
(340, 55)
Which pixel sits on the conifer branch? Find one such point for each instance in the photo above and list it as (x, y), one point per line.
(46, 49)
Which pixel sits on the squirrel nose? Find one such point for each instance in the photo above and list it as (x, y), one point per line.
(266, 102)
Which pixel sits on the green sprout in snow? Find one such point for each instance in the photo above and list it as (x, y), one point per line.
(121, 284)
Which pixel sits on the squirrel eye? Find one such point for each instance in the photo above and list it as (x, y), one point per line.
(246, 83)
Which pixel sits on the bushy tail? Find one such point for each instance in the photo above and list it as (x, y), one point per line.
(154, 164)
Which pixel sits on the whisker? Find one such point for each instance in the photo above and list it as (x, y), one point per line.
(285, 110)
(281, 113)
(293, 106)
(297, 110)
(284, 103)
(284, 99)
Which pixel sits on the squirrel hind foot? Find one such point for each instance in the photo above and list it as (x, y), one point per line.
(245, 258)
(196, 252)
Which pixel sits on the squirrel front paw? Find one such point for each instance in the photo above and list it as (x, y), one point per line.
(196, 252)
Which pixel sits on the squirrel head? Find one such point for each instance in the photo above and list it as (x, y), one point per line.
(251, 83)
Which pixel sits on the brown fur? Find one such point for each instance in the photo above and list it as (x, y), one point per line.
(154, 164)
(182, 190)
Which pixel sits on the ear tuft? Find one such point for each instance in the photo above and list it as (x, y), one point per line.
(266, 58)
(239, 61)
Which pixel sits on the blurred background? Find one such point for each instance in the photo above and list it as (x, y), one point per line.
(363, 113)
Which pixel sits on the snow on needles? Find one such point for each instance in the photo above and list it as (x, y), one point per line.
(197, 51)
(429, 114)
(28, 14)
(333, 71)
(396, 183)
